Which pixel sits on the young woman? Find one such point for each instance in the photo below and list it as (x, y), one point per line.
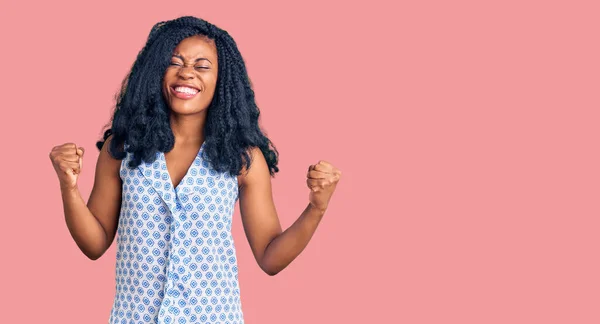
(184, 146)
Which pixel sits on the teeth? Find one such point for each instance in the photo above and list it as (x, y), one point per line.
(186, 90)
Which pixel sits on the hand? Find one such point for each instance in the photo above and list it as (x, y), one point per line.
(322, 178)
(67, 160)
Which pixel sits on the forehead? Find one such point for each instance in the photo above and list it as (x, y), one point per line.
(196, 46)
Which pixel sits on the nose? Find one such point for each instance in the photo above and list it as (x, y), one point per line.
(186, 72)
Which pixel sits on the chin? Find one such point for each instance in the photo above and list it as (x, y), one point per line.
(186, 109)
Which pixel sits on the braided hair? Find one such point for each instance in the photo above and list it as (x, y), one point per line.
(141, 116)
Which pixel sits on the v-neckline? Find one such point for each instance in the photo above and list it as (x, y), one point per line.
(187, 172)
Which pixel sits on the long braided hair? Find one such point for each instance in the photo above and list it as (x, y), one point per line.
(141, 116)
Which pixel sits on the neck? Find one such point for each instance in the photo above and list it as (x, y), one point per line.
(188, 128)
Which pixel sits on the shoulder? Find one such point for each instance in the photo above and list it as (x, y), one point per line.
(258, 169)
(106, 158)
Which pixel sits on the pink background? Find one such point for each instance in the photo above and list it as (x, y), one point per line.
(467, 134)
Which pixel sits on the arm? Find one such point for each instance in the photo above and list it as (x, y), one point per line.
(92, 226)
(273, 249)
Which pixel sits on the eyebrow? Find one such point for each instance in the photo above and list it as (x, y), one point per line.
(198, 59)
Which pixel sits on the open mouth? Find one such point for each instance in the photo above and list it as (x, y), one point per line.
(184, 92)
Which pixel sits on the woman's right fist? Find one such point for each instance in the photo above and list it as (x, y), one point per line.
(67, 160)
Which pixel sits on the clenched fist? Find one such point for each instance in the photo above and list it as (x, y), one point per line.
(67, 160)
(322, 178)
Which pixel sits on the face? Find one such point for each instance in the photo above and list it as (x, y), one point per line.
(191, 78)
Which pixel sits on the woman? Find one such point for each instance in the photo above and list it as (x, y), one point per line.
(184, 146)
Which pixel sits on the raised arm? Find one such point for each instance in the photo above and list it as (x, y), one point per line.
(92, 226)
(273, 249)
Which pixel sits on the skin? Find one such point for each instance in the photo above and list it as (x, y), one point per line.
(93, 225)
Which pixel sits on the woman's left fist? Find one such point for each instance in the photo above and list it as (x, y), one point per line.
(322, 178)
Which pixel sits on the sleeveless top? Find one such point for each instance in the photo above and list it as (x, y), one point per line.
(176, 260)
